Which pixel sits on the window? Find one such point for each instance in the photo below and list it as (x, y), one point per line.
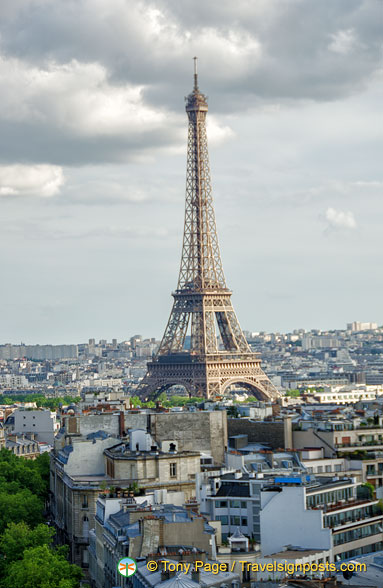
(244, 521)
(221, 503)
(246, 575)
(110, 468)
(173, 470)
(328, 468)
(85, 558)
(235, 504)
(84, 501)
(235, 521)
(243, 504)
(224, 519)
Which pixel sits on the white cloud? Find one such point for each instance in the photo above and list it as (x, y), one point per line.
(339, 219)
(343, 42)
(30, 180)
(216, 132)
(73, 96)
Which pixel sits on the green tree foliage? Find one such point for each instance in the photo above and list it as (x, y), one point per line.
(233, 411)
(27, 558)
(41, 400)
(293, 393)
(23, 473)
(21, 506)
(366, 490)
(42, 567)
(18, 537)
(163, 397)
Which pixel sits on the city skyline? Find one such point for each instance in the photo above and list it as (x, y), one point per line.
(92, 168)
(148, 336)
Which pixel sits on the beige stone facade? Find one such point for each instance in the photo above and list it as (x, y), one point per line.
(74, 494)
(154, 470)
(204, 431)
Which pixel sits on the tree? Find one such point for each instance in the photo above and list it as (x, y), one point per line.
(295, 393)
(42, 466)
(163, 397)
(42, 567)
(40, 400)
(23, 506)
(24, 473)
(233, 411)
(367, 490)
(18, 537)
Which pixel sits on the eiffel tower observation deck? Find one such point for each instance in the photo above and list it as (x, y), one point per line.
(203, 347)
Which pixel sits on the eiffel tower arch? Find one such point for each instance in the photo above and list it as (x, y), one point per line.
(203, 347)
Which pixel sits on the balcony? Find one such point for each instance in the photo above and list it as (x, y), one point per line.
(352, 445)
(348, 504)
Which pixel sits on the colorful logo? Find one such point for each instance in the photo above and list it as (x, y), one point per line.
(127, 566)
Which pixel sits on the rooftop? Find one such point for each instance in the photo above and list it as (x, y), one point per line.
(206, 578)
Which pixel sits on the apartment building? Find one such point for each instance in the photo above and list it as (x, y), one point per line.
(325, 513)
(365, 466)
(139, 530)
(22, 445)
(338, 436)
(42, 422)
(84, 466)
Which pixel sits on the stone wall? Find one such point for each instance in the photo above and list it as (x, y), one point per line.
(193, 431)
(272, 433)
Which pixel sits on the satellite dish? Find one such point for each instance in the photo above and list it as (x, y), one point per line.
(348, 574)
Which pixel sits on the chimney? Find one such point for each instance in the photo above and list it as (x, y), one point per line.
(166, 575)
(121, 423)
(195, 576)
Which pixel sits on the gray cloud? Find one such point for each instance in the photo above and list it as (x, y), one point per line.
(91, 92)
(105, 88)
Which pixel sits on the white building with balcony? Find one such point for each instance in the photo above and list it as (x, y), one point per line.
(325, 513)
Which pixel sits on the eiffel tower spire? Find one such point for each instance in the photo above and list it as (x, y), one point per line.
(202, 301)
(201, 266)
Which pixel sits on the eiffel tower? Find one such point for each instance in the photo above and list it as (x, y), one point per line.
(202, 301)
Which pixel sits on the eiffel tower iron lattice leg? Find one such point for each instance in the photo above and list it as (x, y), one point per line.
(215, 354)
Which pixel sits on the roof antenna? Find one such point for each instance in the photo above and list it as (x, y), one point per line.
(195, 74)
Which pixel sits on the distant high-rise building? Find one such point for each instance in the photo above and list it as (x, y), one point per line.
(38, 351)
(358, 326)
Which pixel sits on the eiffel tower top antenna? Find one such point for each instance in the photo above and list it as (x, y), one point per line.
(195, 74)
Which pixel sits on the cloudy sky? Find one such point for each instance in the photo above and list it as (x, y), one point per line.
(93, 150)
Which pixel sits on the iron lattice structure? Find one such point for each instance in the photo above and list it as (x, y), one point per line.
(202, 302)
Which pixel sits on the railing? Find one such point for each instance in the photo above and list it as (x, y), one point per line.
(358, 444)
(340, 506)
(348, 504)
